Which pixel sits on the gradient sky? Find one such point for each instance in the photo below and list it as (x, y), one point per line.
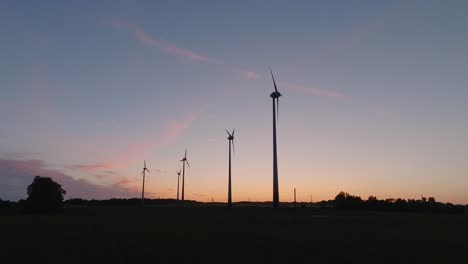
(375, 97)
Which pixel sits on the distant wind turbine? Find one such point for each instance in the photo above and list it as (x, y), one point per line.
(178, 179)
(231, 139)
(295, 196)
(275, 96)
(184, 160)
(143, 187)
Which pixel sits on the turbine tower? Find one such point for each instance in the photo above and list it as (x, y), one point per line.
(184, 160)
(231, 139)
(143, 187)
(275, 96)
(295, 204)
(178, 179)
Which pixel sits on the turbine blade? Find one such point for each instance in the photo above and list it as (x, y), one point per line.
(233, 131)
(148, 170)
(233, 147)
(144, 162)
(187, 163)
(228, 132)
(185, 153)
(273, 78)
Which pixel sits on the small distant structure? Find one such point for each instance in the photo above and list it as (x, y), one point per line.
(143, 186)
(178, 179)
(231, 140)
(295, 202)
(184, 160)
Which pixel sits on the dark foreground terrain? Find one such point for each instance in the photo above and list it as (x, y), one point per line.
(238, 235)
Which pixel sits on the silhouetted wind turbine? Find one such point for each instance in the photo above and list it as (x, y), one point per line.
(178, 179)
(184, 160)
(143, 187)
(231, 139)
(275, 96)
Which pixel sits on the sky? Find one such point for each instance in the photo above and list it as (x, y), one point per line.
(374, 97)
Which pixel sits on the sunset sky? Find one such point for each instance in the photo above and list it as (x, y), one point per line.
(375, 97)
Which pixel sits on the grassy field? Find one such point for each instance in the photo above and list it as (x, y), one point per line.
(236, 235)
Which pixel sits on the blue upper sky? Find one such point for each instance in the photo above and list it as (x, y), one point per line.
(375, 96)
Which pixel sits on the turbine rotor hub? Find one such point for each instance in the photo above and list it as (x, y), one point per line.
(275, 95)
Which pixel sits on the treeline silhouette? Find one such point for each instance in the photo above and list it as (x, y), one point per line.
(126, 202)
(45, 195)
(6, 204)
(346, 201)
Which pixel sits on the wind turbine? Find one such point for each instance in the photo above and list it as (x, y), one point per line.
(231, 139)
(143, 187)
(178, 179)
(275, 96)
(184, 160)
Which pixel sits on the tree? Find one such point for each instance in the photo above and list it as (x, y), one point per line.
(44, 195)
(345, 200)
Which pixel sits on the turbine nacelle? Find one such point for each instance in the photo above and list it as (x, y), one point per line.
(231, 138)
(275, 95)
(144, 168)
(231, 135)
(184, 159)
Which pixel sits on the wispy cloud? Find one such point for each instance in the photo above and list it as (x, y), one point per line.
(250, 75)
(315, 91)
(18, 174)
(171, 131)
(167, 47)
(172, 49)
(151, 41)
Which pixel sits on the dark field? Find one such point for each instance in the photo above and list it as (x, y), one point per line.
(238, 235)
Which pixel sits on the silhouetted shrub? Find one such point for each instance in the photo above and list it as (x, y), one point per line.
(44, 195)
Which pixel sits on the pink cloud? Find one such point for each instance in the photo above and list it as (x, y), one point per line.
(163, 45)
(170, 48)
(167, 47)
(126, 181)
(316, 91)
(18, 174)
(250, 75)
(135, 151)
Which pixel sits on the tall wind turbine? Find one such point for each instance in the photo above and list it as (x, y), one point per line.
(184, 160)
(275, 96)
(178, 179)
(231, 139)
(143, 187)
